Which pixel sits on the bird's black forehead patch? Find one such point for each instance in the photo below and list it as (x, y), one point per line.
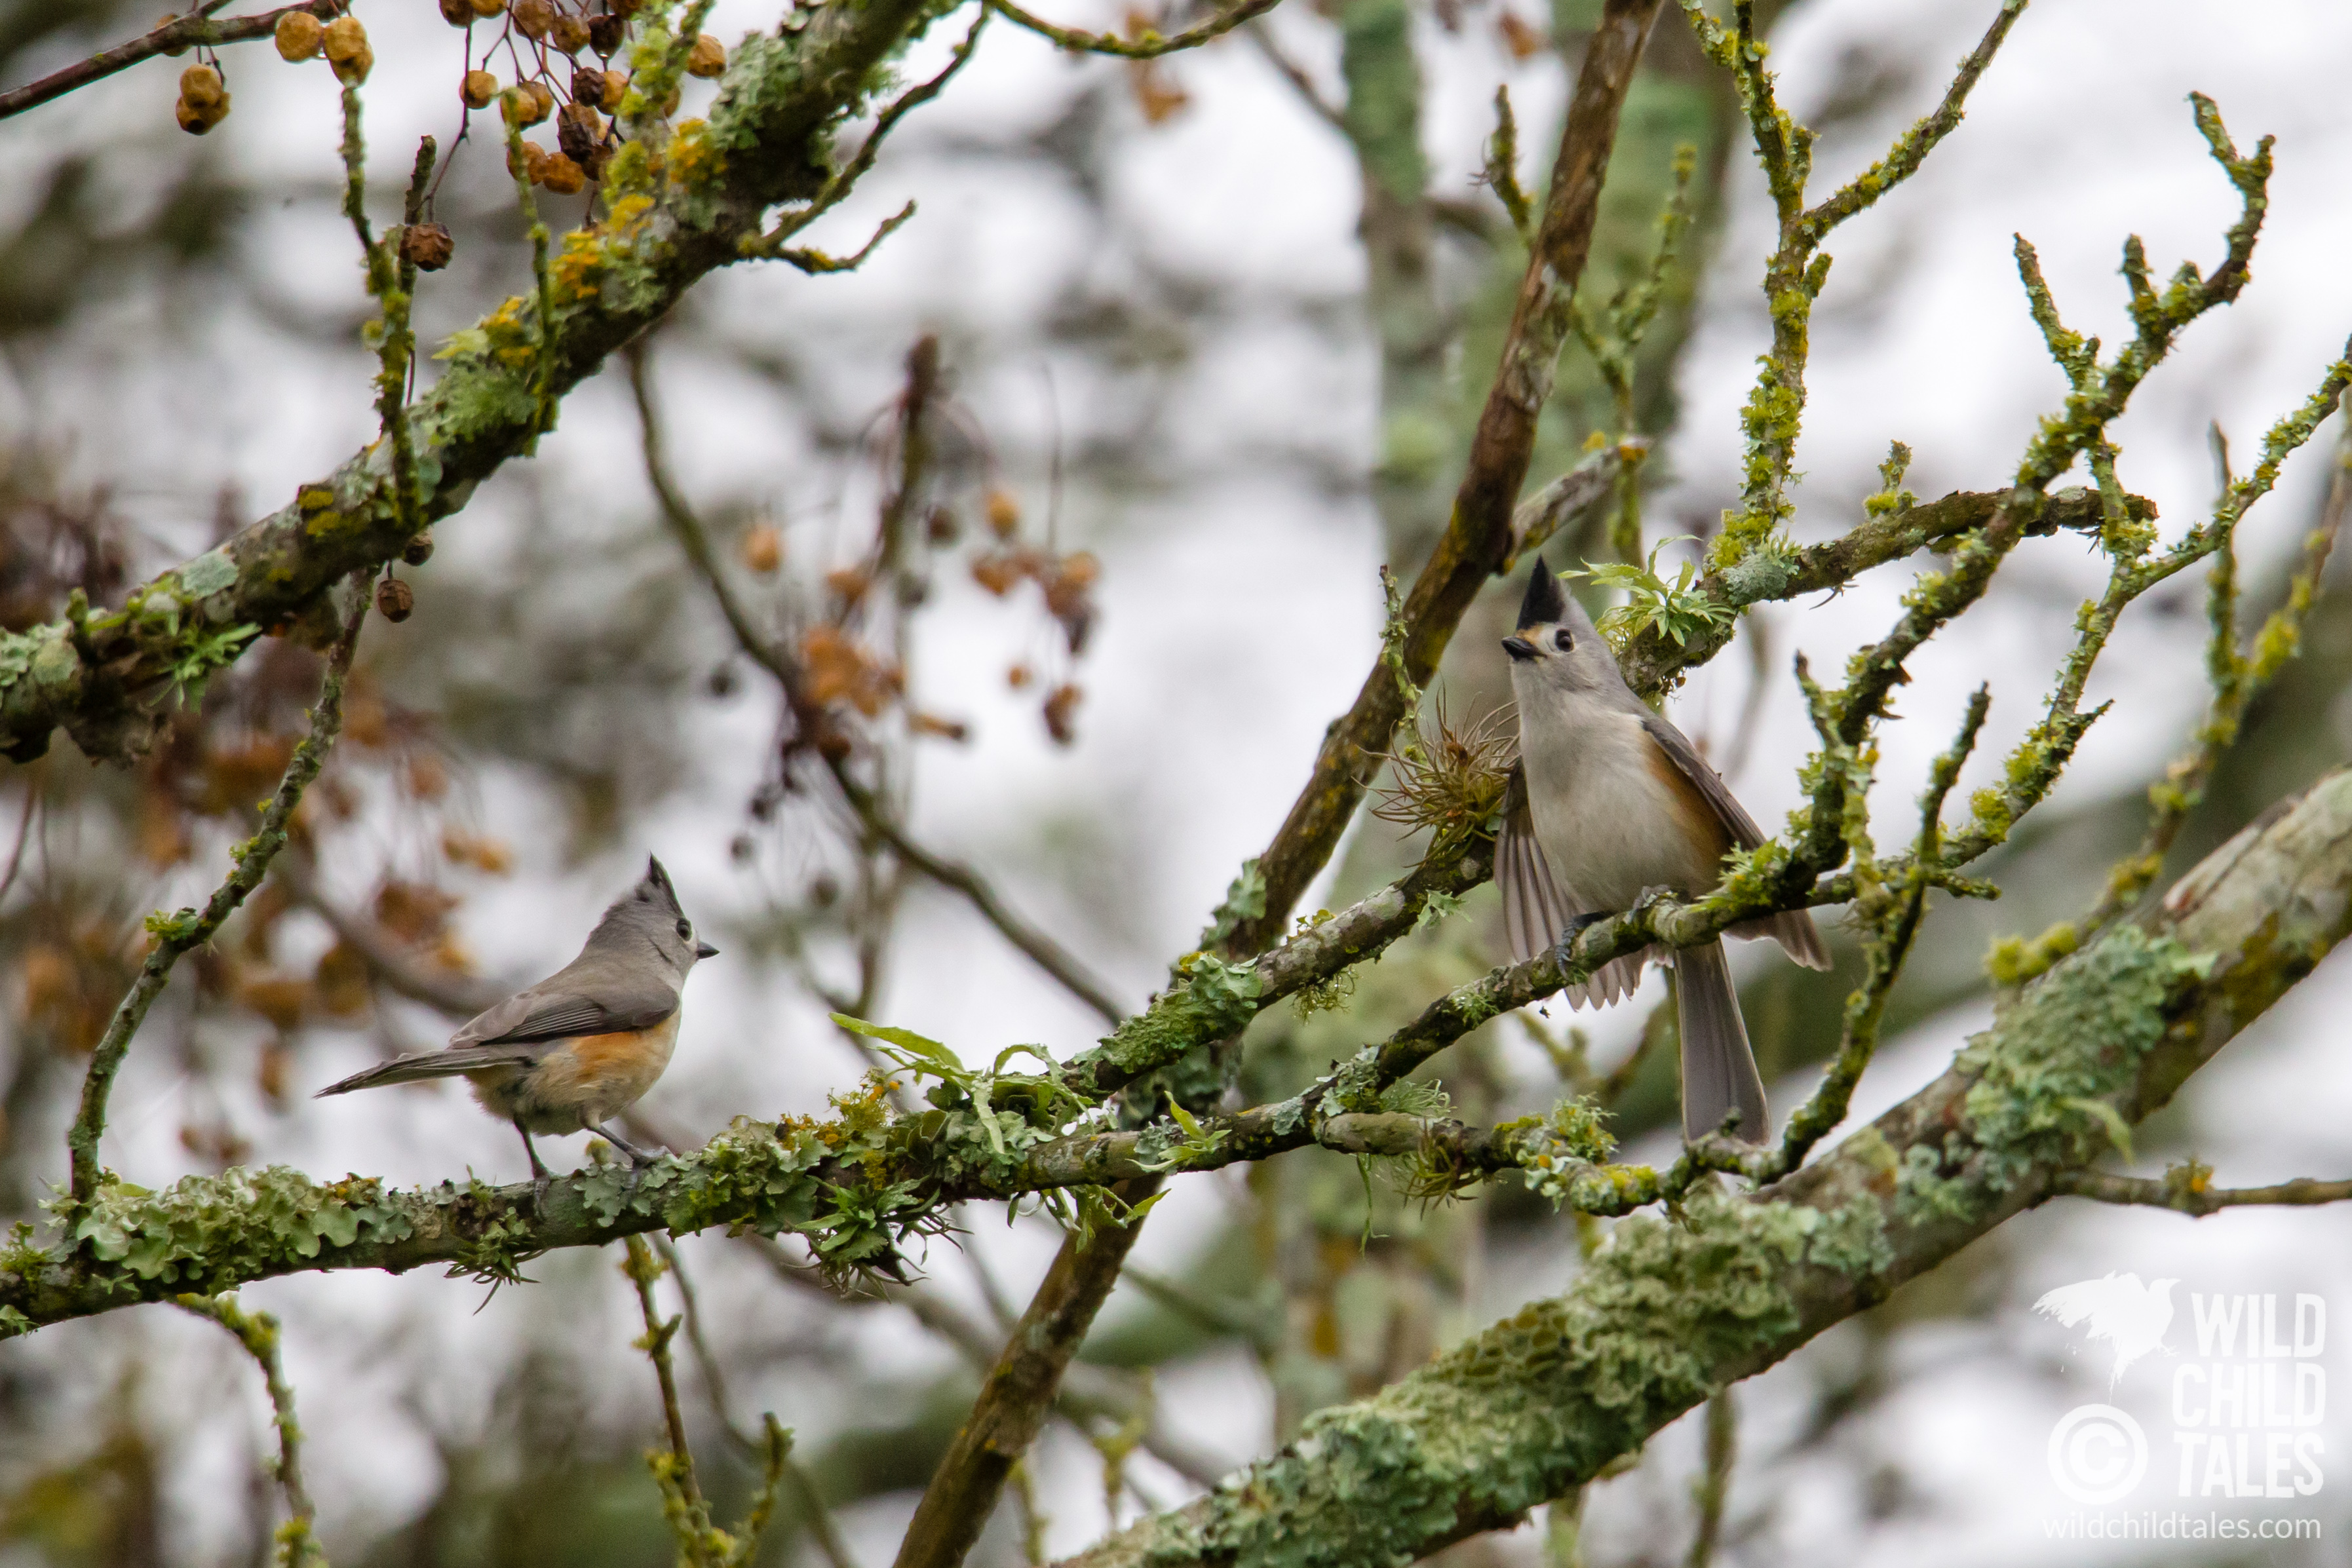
(1546, 601)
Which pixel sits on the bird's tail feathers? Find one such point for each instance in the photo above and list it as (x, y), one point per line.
(1719, 1068)
(427, 1064)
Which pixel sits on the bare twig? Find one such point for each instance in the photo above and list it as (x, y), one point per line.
(297, 1542)
(2184, 1190)
(686, 527)
(176, 934)
(1147, 45)
(175, 36)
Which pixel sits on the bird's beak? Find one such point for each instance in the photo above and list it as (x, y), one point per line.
(1520, 649)
(705, 950)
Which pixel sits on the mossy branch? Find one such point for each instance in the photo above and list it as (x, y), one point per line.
(174, 934)
(298, 1541)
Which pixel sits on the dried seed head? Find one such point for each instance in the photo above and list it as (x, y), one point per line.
(1019, 676)
(763, 549)
(616, 87)
(588, 86)
(605, 33)
(426, 247)
(534, 158)
(1061, 705)
(478, 89)
(570, 34)
(529, 103)
(200, 87)
(1004, 514)
(532, 18)
(563, 176)
(395, 600)
(580, 131)
(458, 13)
(300, 36)
(941, 527)
(347, 49)
(419, 548)
(707, 59)
(196, 121)
(486, 9)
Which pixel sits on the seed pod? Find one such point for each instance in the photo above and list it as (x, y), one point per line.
(606, 34)
(707, 59)
(763, 549)
(529, 103)
(561, 175)
(580, 131)
(588, 86)
(347, 49)
(1060, 706)
(196, 121)
(426, 247)
(532, 18)
(419, 548)
(1004, 514)
(458, 13)
(534, 162)
(479, 88)
(616, 87)
(570, 34)
(486, 9)
(395, 600)
(300, 36)
(200, 88)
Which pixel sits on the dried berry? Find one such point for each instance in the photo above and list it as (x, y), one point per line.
(534, 161)
(300, 36)
(997, 572)
(563, 176)
(580, 131)
(616, 87)
(849, 583)
(606, 34)
(763, 549)
(707, 59)
(203, 101)
(486, 9)
(458, 13)
(532, 18)
(479, 88)
(588, 86)
(941, 527)
(347, 49)
(426, 247)
(1019, 676)
(1004, 514)
(395, 600)
(529, 103)
(570, 34)
(1059, 708)
(419, 548)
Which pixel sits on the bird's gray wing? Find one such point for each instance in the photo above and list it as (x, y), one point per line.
(1536, 908)
(420, 1065)
(585, 997)
(1795, 931)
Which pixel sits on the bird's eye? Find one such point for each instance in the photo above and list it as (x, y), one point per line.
(1563, 641)
(685, 931)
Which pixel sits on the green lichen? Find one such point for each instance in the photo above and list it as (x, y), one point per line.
(233, 1226)
(1213, 1000)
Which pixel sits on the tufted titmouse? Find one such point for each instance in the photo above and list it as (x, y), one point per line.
(582, 1045)
(1608, 800)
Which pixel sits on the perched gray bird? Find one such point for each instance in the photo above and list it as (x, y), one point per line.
(584, 1044)
(1609, 800)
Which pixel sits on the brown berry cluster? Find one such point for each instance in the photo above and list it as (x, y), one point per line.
(300, 36)
(1067, 580)
(544, 34)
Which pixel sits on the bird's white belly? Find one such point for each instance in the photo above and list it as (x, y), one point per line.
(1609, 826)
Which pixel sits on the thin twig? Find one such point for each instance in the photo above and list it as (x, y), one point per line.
(171, 37)
(297, 1542)
(686, 527)
(176, 934)
(1714, 1484)
(2181, 1190)
(1147, 44)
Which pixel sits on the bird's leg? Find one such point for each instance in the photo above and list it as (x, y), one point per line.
(539, 1177)
(638, 1156)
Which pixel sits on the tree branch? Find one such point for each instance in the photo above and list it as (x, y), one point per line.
(298, 1542)
(1147, 44)
(782, 96)
(174, 37)
(2182, 1190)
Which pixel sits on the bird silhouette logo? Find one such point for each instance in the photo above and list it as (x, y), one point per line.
(2131, 1317)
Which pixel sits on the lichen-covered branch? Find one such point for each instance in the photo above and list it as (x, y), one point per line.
(298, 1541)
(1667, 1313)
(679, 202)
(174, 934)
